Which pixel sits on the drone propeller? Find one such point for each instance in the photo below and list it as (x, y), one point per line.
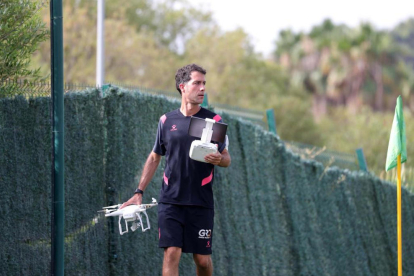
(113, 206)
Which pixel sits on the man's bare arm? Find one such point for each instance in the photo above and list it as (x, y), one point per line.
(150, 167)
(226, 159)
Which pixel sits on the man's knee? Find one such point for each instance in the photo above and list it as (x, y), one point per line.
(171, 260)
(202, 261)
(172, 254)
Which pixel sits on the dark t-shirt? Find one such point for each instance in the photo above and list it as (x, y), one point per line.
(185, 181)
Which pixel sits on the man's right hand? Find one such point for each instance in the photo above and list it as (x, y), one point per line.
(135, 199)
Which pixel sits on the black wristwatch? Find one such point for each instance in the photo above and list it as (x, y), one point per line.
(138, 191)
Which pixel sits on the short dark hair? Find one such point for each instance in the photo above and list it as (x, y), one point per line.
(183, 74)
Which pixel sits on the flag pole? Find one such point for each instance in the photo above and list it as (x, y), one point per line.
(399, 226)
(397, 154)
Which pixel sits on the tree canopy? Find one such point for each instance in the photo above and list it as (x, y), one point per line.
(340, 66)
(21, 31)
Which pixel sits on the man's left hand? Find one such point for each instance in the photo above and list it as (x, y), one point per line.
(213, 158)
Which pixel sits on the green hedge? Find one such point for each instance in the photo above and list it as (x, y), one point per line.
(275, 213)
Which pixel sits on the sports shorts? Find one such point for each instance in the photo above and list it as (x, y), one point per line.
(187, 227)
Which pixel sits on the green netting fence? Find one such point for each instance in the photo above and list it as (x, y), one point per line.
(276, 213)
(12, 88)
(327, 157)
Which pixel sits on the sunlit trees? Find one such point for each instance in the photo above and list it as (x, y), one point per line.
(342, 66)
(172, 22)
(21, 31)
(403, 35)
(236, 75)
(317, 62)
(135, 51)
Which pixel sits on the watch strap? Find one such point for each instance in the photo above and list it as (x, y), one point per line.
(139, 191)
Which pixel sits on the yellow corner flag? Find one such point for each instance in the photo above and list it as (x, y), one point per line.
(397, 154)
(397, 144)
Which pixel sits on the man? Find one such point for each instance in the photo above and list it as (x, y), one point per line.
(186, 207)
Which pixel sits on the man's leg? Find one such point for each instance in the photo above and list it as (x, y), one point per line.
(172, 257)
(204, 264)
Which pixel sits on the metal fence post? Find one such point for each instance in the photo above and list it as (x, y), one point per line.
(361, 160)
(271, 121)
(104, 88)
(100, 44)
(58, 160)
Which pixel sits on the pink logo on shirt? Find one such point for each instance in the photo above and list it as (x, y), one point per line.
(173, 128)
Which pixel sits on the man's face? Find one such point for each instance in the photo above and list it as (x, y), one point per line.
(194, 89)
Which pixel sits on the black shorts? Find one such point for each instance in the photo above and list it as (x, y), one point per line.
(187, 227)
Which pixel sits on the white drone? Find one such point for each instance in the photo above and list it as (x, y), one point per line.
(130, 213)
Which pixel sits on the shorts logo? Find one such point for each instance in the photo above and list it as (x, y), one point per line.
(208, 244)
(204, 234)
(173, 128)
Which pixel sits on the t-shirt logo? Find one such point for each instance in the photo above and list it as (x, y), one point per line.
(173, 128)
